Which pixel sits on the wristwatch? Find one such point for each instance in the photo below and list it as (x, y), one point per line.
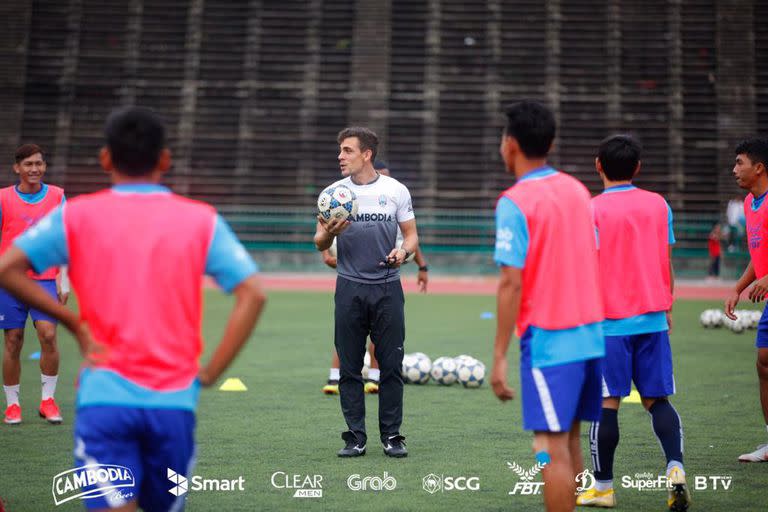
(423, 269)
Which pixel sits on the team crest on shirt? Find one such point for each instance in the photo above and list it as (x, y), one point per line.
(754, 237)
(382, 200)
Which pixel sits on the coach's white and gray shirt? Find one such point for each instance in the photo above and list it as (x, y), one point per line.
(382, 204)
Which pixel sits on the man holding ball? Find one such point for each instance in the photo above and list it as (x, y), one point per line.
(369, 297)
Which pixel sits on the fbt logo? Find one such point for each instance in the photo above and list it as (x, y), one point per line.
(372, 483)
(433, 483)
(199, 483)
(526, 486)
(713, 483)
(306, 486)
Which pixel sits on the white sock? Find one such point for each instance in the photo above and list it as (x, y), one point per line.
(334, 374)
(12, 394)
(601, 485)
(674, 463)
(374, 374)
(49, 385)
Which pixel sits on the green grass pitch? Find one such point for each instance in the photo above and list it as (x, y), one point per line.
(284, 423)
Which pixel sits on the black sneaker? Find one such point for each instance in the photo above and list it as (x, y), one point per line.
(394, 446)
(354, 447)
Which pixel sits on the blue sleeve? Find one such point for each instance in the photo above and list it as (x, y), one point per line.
(669, 223)
(45, 243)
(511, 235)
(228, 262)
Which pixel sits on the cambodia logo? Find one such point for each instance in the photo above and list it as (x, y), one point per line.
(91, 481)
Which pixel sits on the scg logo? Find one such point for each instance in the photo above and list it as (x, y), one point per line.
(372, 483)
(433, 483)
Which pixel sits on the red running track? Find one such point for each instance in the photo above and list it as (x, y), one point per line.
(703, 290)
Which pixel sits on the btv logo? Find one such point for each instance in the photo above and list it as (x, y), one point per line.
(182, 484)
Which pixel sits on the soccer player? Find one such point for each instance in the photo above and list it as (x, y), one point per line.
(21, 206)
(750, 172)
(548, 288)
(137, 254)
(369, 297)
(635, 237)
(372, 381)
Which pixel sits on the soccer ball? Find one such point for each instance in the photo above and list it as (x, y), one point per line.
(462, 359)
(416, 369)
(737, 326)
(337, 203)
(472, 374)
(717, 318)
(756, 316)
(444, 371)
(707, 318)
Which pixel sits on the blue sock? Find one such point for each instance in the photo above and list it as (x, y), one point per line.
(603, 440)
(667, 426)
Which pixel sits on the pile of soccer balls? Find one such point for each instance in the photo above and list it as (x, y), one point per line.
(745, 319)
(418, 368)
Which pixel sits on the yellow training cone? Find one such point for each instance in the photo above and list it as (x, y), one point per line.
(233, 384)
(633, 398)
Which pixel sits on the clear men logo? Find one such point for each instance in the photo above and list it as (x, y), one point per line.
(372, 483)
(91, 481)
(182, 484)
(306, 486)
(526, 486)
(198, 483)
(433, 483)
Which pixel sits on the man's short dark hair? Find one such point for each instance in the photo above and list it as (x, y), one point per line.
(532, 125)
(135, 137)
(619, 156)
(755, 148)
(367, 137)
(27, 150)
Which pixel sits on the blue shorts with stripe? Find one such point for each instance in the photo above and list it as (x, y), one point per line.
(761, 341)
(148, 442)
(645, 359)
(556, 396)
(13, 312)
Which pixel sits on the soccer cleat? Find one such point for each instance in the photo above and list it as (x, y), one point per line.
(371, 387)
(594, 498)
(50, 411)
(394, 446)
(679, 498)
(759, 455)
(331, 388)
(13, 414)
(353, 448)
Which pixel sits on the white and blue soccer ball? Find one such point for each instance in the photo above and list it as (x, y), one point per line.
(463, 359)
(445, 371)
(471, 374)
(337, 203)
(707, 318)
(416, 369)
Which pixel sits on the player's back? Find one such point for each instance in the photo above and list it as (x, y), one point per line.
(136, 262)
(634, 232)
(560, 276)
